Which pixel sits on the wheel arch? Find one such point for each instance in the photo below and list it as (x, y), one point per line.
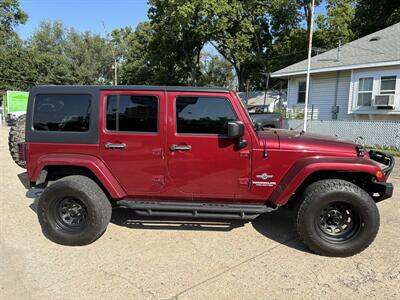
(56, 166)
(306, 171)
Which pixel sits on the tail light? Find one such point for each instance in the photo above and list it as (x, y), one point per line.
(22, 151)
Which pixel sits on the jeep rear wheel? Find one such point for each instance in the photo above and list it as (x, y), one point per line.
(74, 211)
(337, 218)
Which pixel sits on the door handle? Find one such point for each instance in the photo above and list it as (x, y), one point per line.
(174, 147)
(114, 146)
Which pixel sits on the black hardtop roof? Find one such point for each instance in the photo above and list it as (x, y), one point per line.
(69, 88)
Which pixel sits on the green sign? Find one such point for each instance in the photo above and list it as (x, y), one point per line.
(15, 101)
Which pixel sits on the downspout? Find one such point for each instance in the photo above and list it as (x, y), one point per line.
(335, 108)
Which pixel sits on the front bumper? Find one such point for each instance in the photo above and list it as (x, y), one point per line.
(384, 159)
(384, 189)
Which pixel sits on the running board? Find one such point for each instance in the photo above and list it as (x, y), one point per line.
(197, 209)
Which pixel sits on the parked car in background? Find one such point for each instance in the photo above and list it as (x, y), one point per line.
(268, 119)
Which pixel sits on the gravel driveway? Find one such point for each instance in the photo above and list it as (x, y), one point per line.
(140, 258)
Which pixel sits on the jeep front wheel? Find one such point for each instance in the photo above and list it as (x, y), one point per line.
(337, 218)
(74, 211)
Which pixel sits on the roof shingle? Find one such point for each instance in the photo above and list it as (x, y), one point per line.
(380, 48)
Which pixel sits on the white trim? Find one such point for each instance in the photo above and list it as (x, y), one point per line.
(339, 68)
(351, 88)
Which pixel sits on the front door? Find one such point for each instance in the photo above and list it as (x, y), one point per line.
(202, 162)
(131, 139)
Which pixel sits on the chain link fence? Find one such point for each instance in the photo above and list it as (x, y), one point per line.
(378, 134)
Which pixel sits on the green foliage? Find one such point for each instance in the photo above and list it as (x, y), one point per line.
(374, 15)
(135, 59)
(335, 25)
(64, 56)
(216, 71)
(241, 34)
(11, 15)
(12, 54)
(180, 30)
(253, 38)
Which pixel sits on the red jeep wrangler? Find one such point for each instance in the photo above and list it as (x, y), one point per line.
(191, 152)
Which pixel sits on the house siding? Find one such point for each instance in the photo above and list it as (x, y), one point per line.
(323, 88)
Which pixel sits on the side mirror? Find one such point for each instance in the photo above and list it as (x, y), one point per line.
(235, 129)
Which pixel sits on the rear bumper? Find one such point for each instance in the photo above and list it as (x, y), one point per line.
(23, 177)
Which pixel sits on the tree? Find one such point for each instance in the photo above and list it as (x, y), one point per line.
(180, 28)
(12, 54)
(305, 6)
(241, 34)
(134, 54)
(60, 55)
(89, 57)
(335, 25)
(374, 15)
(47, 50)
(216, 71)
(11, 15)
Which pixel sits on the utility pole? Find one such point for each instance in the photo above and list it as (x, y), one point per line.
(308, 65)
(115, 65)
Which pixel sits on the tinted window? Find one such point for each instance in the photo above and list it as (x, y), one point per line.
(61, 112)
(111, 113)
(132, 113)
(204, 115)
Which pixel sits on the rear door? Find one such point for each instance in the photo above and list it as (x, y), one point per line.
(131, 139)
(202, 161)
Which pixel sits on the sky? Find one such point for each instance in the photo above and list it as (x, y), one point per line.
(85, 15)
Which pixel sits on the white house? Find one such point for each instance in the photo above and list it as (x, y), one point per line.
(359, 81)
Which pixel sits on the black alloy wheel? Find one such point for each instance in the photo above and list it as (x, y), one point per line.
(70, 214)
(338, 222)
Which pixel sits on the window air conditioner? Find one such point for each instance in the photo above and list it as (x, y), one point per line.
(383, 101)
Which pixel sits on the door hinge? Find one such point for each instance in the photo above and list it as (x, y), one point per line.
(158, 179)
(158, 152)
(244, 154)
(244, 182)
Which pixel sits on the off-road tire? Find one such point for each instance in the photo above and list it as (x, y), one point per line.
(326, 193)
(84, 190)
(16, 136)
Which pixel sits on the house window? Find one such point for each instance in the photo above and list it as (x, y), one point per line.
(388, 85)
(301, 96)
(365, 91)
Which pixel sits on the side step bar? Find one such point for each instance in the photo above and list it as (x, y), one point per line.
(197, 209)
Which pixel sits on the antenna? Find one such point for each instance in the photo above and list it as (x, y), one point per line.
(115, 67)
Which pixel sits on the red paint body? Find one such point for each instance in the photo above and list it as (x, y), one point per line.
(214, 170)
